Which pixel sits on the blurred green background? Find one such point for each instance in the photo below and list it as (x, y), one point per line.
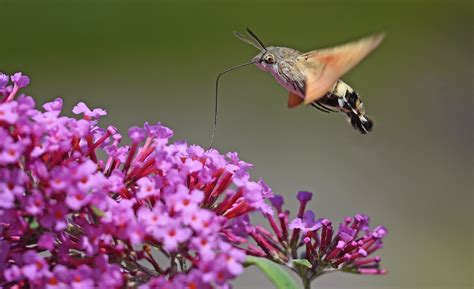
(157, 61)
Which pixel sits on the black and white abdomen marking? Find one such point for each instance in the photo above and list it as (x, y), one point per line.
(343, 98)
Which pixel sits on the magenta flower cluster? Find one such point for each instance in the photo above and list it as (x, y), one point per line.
(310, 246)
(79, 209)
(150, 214)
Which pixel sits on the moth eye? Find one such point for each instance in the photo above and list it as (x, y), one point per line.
(269, 59)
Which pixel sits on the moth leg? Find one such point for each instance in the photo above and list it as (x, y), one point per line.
(325, 107)
(320, 107)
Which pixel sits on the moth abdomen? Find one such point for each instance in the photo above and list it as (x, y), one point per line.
(344, 98)
(355, 111)
(361, 123)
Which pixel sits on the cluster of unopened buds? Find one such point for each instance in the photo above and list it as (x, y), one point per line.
(152, 214)
(310, 246)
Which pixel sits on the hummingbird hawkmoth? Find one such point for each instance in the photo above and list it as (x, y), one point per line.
(313, 77)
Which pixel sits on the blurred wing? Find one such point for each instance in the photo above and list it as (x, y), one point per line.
(294, 100)
(323, 67)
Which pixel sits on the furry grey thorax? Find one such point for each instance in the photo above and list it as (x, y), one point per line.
(281, 63)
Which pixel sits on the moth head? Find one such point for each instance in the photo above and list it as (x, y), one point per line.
(266, 58)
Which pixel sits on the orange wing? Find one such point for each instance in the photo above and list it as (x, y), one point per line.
(294, 100)
(323, 67)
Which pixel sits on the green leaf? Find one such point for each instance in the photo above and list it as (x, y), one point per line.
(277, 275)
(98, 212)
(302, 262)
(34, 224)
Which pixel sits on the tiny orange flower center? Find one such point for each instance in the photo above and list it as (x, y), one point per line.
(172, 232)
(77, 278)
(53, 281)
(58, 214)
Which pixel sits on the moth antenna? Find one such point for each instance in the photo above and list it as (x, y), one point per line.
(248, 41)
(262, 46)
(215, 100)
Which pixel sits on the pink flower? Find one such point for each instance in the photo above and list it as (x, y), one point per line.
(46, 241)
(7, 198)
(146, 188)
(20, 80)
(55, 218)
(81, 108)
(8, 112)
(35, 266)
(173, 234)
(186, 201)
(34, 204)
(307, 223)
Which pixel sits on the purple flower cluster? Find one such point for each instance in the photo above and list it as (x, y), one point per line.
(151, 214)
(80, 210)
(311, 246)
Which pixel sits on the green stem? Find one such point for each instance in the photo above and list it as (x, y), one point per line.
(306, 283)
(303, 273)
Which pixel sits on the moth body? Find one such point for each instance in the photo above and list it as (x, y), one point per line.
(281, 62)
(344, 98)
(313, 77)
